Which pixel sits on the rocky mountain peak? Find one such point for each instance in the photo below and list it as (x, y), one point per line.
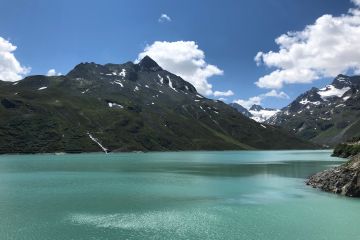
(241, 109)
(327, 115)
(341, 81)
(256, 107)
(346, 81)
(86, 70)
(148, 64)
(124, 107)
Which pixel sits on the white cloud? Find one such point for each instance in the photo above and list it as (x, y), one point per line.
(356, 2)
(52, 72)
(274, 93)
(228, 93)
(326, 48)
(164, 18)
(10, 67)
(258, 99)
(249, 102)
(185, 59)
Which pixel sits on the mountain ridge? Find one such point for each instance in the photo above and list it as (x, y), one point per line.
(124, 107)
(326, 116)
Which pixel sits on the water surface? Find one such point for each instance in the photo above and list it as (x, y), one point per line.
(180, 195)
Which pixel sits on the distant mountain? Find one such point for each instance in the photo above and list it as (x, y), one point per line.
(124, 107)
(256, 107)
(255, 112)
(260, 114)
(328, 116)
(241, 109)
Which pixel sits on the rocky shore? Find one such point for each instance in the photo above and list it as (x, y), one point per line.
(344, 180)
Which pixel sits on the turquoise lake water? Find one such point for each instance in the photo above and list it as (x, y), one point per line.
(180, 195)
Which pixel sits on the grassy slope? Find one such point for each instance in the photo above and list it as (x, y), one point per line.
(57, 119)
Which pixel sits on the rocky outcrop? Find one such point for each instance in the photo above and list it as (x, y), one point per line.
(344, 180)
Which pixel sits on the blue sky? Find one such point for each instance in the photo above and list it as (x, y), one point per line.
(60, 34)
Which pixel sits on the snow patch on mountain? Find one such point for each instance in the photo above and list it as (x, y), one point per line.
(263, 114)
(170, 84)
(111, 104)
(161, 79)
(332, 91)
(119, 83)
(306, 101)
(346, 98)
(123, 73)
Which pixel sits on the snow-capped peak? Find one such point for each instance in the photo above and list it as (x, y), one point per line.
(261, 114)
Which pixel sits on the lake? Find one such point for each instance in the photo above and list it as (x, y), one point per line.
(176, 195)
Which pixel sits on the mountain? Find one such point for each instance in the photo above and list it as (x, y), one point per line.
(124, 107)
(327, 116)
(255, 112)
(256, 107)
(241, 109)
(260, 114)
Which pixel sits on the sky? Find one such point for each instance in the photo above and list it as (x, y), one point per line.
(251, 51)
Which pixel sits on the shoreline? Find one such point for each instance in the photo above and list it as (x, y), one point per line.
(343, 180)
(180, 151)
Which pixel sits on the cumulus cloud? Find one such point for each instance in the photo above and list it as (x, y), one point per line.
(164, 18)
(52, 72)
(227, 93)
(276, 94)
(356, 2)
(247, 103)
(326, 48)
(10, 67)
(184, 58)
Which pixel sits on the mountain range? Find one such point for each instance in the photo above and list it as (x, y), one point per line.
(325, 116)
(124, 107)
